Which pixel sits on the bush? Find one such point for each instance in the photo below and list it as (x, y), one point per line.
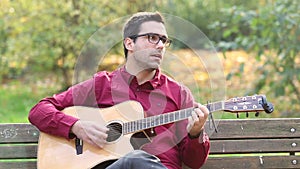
(272, 32)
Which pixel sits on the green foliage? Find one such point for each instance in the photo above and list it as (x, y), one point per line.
(46, 37)
(273, 32)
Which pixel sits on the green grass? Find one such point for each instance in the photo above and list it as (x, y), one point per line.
(16, 100)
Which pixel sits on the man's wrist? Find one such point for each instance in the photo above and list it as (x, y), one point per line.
(196, 136)
(71, 133)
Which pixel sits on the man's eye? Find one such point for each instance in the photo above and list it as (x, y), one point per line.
(154, 38)
(163, 39)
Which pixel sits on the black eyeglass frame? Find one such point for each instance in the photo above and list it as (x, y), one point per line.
(166, 41)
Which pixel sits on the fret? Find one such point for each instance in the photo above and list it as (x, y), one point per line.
(166, 118)
(134, 125)
(185, 113)
(161, 119)
(157, 121)
(152, 121)
(174, 118)
(130, 126)
(140, 125)
(137, 125)
(176, 115)
(181, 114)
(171, 117)
(124, 128)
(144, 124)
(148, 122)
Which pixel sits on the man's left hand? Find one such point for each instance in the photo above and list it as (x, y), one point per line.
(197, 120)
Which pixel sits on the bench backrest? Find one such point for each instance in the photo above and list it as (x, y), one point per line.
(262, 143)
(18, 146)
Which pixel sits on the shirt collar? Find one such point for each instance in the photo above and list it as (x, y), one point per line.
(156, 81)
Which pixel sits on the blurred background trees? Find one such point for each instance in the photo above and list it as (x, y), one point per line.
(42, 39)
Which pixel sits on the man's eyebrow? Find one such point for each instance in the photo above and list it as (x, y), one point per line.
(158, 34)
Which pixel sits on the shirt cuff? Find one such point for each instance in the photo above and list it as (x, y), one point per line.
(201, 138)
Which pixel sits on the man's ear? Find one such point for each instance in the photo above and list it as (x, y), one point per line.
(128, 43)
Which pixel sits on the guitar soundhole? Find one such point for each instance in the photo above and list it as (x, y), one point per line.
(115, 131)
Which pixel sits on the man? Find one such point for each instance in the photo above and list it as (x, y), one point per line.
(140, 79)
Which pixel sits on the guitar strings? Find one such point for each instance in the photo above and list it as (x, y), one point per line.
(146, 123)
(150, 122)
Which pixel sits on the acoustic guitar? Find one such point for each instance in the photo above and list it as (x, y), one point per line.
(125, 121)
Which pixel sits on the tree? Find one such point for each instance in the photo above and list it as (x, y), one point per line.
(48, 36)
(273, 33)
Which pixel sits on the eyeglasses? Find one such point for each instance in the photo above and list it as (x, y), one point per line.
(155, 38)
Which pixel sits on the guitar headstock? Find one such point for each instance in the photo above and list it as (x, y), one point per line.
(253, 103)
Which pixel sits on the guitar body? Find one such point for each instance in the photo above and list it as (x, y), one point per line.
(58, 152)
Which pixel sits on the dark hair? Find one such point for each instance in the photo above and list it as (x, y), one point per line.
(132, 26)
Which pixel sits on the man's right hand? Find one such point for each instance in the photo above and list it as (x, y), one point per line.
(90, 132)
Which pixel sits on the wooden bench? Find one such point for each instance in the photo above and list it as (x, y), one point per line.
(239, 144)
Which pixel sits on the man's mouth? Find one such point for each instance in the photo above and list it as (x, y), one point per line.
(157, 55)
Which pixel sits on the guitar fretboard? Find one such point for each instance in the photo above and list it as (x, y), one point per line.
(166, 118)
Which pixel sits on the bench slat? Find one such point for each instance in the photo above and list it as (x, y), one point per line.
(18, 165)
(283, 162)
(18, 133)
(259, 128)
(18, 151)
(254, 146)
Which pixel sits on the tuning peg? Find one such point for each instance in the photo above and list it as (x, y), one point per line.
(256, 114)
(268, 107)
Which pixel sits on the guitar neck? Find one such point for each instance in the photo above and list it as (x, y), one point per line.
(166, 118)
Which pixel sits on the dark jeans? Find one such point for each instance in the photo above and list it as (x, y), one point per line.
(137, 159)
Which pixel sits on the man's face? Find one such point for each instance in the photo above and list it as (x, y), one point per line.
(148, 55)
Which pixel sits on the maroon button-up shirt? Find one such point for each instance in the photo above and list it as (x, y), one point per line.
(160, 95)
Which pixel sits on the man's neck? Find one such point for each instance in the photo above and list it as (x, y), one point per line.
(141, 75)
(145, 75)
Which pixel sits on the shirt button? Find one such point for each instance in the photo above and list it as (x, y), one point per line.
(138, 89)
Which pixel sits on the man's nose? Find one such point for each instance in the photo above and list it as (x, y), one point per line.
(160, 44)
